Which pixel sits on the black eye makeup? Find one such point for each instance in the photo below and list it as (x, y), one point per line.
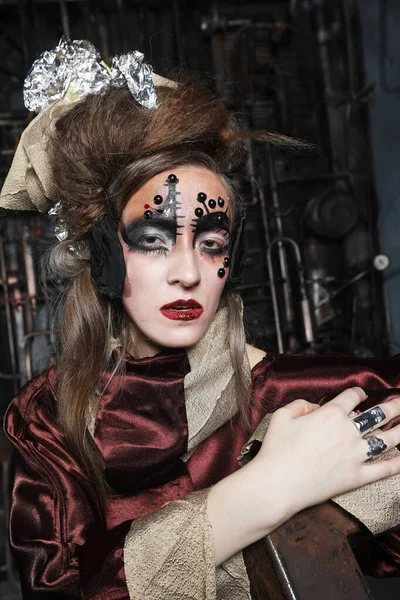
(209, 217)
(157, 230)
(212, 243)
(217, 220)
(155, 236)
(211, 234)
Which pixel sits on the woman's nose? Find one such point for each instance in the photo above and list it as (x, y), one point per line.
(184, 268)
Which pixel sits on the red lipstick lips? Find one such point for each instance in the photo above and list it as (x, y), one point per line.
(182, 310)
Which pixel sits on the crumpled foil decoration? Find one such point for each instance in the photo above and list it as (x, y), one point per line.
(74, 69)
(130, 68)
(76, 248)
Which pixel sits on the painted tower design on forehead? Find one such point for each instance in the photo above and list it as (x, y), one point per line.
(167, 208)
(171, 204)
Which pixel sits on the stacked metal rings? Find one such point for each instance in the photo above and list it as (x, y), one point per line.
(375, 446)
(367, 422)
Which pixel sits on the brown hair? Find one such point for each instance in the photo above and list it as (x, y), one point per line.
(102, 151)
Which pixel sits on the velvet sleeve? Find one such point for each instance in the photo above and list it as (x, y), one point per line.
(279, 379)
(63, 550)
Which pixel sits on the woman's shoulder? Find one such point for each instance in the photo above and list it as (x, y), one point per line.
(255, 355)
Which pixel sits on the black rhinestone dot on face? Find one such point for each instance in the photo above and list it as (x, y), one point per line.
(148, 214)
(221, 272)
(158, 199)
(172, 178)
(220, 218)
(201, 197)
(198, 212)
(221, 202)
(227, 261)
(212, 203)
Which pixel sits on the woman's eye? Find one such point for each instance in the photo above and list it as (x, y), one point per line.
(151, 243)
(150, 240)
(213, 246)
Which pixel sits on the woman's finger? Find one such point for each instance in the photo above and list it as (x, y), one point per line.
(298, 408)
(350, 398)
(382, 469)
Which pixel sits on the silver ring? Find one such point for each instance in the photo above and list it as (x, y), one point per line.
(369, 419)
(375, 446)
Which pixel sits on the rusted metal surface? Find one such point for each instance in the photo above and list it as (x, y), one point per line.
(264, 581)
(309, 557)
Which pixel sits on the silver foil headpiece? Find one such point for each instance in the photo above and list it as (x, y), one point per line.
(74, 69)
(130, 69)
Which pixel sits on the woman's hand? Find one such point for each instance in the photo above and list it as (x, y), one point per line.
(310, 454)
(314, 453)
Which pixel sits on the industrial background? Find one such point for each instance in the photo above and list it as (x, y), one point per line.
(322, 267)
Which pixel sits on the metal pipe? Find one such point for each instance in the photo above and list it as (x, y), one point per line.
(27, 354)
(305, 305)
(31, 305)
(17, 295)
(343, 287)
(258, 191)
(7, 306)
(267, 239)
(287, 293)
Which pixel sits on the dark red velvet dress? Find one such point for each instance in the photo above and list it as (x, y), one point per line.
(62, 546)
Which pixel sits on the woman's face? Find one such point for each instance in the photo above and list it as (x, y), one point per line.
(175, 236)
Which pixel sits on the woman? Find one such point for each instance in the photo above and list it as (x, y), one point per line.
(127, 475)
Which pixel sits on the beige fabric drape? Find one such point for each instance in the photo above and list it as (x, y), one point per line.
(170, 554)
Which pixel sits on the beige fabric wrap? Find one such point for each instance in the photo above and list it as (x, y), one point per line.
(170, 554)
(210, 385)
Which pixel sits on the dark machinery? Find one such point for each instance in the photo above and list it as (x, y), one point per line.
(312, 280)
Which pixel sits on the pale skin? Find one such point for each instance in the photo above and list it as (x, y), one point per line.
(164, 266)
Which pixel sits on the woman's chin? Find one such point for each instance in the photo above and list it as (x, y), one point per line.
(183, 338)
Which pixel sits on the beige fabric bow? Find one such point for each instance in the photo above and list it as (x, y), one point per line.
(29, 184)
